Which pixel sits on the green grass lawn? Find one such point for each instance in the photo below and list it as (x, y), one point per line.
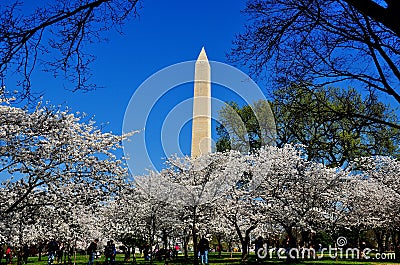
(213, 259)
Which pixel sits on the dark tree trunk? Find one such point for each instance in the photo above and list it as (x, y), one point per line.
(134, 256)
(40, 249)
(244, 240)
(69, 252)
(246, 244)
(185, 247)
(195, 254)
(396, 245)
(387, 16)
(379, 239)
(387, 241)
(19, 256)
(194, 236)
(305, 238)
(291, 244)
(292, 238)
(152, 231)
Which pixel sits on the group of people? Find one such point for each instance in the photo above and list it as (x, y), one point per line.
(55, 251)
(7, 251)
(109, 252)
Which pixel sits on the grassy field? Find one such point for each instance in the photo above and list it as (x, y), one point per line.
(213, 259)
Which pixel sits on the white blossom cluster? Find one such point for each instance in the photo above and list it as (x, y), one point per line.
(61, 178)
(273, 192)
(56, 171)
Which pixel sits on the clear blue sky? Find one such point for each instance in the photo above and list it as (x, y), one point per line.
(165, 33)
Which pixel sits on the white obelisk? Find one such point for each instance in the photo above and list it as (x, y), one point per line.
(201, 128)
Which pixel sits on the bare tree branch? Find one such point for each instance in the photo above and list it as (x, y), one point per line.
(67, 26)
(319, 43)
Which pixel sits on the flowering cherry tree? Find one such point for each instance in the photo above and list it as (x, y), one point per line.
(376, 197)
(61, 178)
(192, 187)
(50, 159)
(293, 192)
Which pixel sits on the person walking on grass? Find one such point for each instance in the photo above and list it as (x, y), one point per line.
(60, 252)
(91, 251)
(258, 245)
(52, 247)
(113, 252)
(203, 250)
(8, 254)
(107, 253)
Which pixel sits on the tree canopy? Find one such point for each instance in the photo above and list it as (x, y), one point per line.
(334, 125)
(49, 153)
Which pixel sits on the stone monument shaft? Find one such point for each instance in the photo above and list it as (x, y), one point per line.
(201, 128)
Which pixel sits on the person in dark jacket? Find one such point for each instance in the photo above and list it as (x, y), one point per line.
(52, 247)
(203, 250)
(110, 252)
(107, 253)
(258, 245)
(91, 251)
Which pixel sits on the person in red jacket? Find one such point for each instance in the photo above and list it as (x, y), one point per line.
(8, 255)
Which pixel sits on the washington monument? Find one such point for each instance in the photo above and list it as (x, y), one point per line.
(201, 128)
